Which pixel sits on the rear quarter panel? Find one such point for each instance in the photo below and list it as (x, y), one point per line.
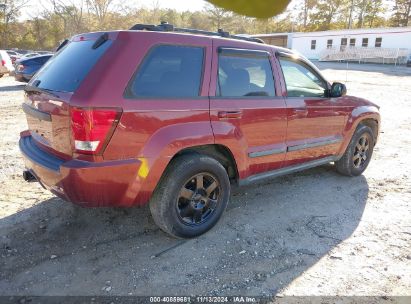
(152, 130)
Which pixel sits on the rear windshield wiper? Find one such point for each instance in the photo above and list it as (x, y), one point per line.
(31, 88)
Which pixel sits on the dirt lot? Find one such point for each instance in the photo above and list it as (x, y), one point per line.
(312, 233)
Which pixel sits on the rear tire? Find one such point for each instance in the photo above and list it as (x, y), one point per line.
(191, 196)
(358, 154)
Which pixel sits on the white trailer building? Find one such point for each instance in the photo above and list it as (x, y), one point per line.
(379, 44)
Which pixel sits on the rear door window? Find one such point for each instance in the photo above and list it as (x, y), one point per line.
(169, 71)
(67, 69)
(244, 74)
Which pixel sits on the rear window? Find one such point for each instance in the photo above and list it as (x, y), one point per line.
(67, 69)
(38, 60)
(169, 71)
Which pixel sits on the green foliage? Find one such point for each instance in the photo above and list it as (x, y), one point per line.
(329, 14)
(401, 13)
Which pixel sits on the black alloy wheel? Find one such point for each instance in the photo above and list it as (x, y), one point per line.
(198, 199)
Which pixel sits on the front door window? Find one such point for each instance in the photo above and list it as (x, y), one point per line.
(302, 81)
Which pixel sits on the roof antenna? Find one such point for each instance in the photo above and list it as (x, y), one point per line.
(346, 73)
(223, 33)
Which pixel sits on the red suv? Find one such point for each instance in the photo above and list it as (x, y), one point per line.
(155, 115)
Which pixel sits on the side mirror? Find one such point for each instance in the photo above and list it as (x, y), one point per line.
(338, 90)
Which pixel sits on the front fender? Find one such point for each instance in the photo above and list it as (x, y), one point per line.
(358, 115)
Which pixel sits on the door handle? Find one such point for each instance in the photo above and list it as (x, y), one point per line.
(301, 112)
(230, 114)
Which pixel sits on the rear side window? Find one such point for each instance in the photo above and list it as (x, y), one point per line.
(244, 75)
(66, 70)
(169, 71)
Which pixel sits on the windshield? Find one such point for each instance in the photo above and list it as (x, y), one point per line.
(65, 71)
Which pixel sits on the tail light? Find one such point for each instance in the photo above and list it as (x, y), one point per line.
(91, 128)
(20, 67)
(3, 62)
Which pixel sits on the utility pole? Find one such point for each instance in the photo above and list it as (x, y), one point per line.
(351, 15)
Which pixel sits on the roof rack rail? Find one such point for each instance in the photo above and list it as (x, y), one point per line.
(167, 27)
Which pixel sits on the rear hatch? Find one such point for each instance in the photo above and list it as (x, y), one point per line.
(48, 94)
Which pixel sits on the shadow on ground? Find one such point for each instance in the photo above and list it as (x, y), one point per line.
(270, 234)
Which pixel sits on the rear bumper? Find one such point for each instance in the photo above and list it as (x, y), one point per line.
(89, 184)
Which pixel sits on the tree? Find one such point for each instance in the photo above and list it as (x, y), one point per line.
(70, 13)
(401, 13)
(375, 9)
(368, 11)
(218, 17)
(327, 11)
(100, 9)
(10, 11)
(307, 6)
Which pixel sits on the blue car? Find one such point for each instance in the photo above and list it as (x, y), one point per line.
(25, 69)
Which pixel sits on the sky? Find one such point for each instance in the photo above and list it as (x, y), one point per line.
(34, 6)
(180, 5)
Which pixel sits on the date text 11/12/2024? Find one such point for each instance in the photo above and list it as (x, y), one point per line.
(203, 299)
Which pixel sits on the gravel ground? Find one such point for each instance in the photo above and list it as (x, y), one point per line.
(311, 233)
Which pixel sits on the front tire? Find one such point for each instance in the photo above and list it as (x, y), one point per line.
(191, 196)
(358, 154)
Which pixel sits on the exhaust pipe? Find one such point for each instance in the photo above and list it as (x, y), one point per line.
(28, 176)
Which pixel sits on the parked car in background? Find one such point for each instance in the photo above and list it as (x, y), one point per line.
(22, 52)
(25, 69)
(44, 52)
(14, 56)
(6, 65)
(28, 55)
(124, 118)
